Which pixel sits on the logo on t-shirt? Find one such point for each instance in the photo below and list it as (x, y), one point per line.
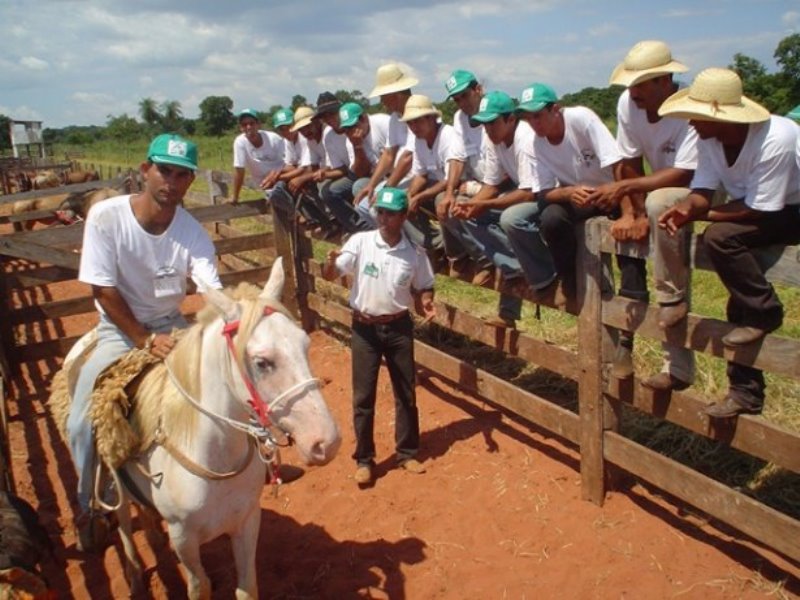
(587, 157)
(370, 270)
(668, 147)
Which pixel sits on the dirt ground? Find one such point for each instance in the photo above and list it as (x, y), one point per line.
(497, 515)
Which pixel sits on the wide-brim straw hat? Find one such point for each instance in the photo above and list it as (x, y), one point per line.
(646, 60)
(419, 106)
(391, 78)
(715, 95)
(302, 117)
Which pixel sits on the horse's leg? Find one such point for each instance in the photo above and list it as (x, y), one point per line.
(244, 544)
(133, 567)
(187, 547)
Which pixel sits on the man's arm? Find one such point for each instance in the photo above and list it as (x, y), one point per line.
(385, 163)
(119, 312)
(400, 170)
(694, 207)
(238, 181)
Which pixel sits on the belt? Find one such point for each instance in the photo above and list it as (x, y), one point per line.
(378, 320)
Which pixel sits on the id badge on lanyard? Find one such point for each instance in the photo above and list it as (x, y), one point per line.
(167, 282)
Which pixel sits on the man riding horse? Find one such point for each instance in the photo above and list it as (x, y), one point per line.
(137, 252)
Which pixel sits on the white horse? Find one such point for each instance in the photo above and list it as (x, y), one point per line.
(245, 358)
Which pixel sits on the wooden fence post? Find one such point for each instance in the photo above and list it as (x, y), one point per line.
(295, 290)
(595, 347)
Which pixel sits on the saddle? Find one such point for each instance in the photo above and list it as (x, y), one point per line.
(111, 401)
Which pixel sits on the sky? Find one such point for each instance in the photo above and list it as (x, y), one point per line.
(76, 62)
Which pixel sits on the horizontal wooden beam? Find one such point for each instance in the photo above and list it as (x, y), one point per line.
(774, 353)
(767, 525)
(62, 189)
(746, 433)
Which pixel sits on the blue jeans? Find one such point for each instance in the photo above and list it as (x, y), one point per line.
(520, 223)
(338, 198)
(485, 230)
(111, 345)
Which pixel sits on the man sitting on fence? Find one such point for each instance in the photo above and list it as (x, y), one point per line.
(753, 156)
(260, 153)
(670, 148)
(137, 253)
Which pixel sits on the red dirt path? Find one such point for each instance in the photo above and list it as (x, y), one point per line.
(497, 515)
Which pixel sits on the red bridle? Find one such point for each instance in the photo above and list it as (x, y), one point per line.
(256, 401)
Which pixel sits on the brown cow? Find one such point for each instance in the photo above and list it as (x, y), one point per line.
(44, 180)
(69, 177)
(66, 208)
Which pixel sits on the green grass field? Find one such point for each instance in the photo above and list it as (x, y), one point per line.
(774, 486)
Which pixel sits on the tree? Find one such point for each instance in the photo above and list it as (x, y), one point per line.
(603, 101)
(123, 128)
(787, 55)
(171, 116)
(5, 132)
(298, 100)
(216, 117)
(148, 110)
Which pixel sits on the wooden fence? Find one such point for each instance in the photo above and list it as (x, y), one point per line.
(594, 428)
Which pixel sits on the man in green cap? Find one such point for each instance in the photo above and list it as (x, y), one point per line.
(390, 275)
(507, 180)
(260, 153)
(138, 251)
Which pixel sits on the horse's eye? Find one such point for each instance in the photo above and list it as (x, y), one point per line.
(264, 364)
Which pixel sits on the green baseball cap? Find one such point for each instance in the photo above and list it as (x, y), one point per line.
(283, 116)
(349, 114)
(493, 105)
(249, 112)
(794, 113)
(459, 81)
(535, 97)
(393, 199)
(171, 149)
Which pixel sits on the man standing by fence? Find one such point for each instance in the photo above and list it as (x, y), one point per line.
(753, 156)
(261, 153)
(390, 275)
(137, 253)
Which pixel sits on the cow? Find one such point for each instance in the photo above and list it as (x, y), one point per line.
(68, 177)
(45, 180)
(66, 208)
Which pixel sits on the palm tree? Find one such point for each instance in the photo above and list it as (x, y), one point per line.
(171, 115)
(148, 110)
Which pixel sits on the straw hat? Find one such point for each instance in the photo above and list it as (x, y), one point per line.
(646, 60)
(715, 95)
(419, 106)
(391, 78)
(302, 117)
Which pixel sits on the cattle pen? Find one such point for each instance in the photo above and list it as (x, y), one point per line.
(33, 329)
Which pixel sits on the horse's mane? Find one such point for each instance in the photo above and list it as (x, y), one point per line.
(159, 403)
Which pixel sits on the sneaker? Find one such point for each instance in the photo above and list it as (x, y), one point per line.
(412, 465)
(484, 277)
(363, 474)
(665, 382)
(502, 322)
(729, 407)
(670, 315)
(622, 365)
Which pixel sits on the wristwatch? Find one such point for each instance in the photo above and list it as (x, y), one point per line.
(148, 343)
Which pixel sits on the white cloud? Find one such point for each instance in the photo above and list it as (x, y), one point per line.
(33, 63)
(92, 98)
(791, 19)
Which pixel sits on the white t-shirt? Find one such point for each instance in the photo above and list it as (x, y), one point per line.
(293, 151)
(665, 144)
(515, 161)
(259, 162)
(584, 156)
(375, 141)
(335, 145)
(766, 174)
(399, 134)
(312, 152)
(475, 144)
(149, 271)
(434, 162)
(383, 276)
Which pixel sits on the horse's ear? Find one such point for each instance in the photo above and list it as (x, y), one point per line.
(273, 289)
(227, 308)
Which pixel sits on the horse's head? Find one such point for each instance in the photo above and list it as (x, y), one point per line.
(273, 353)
